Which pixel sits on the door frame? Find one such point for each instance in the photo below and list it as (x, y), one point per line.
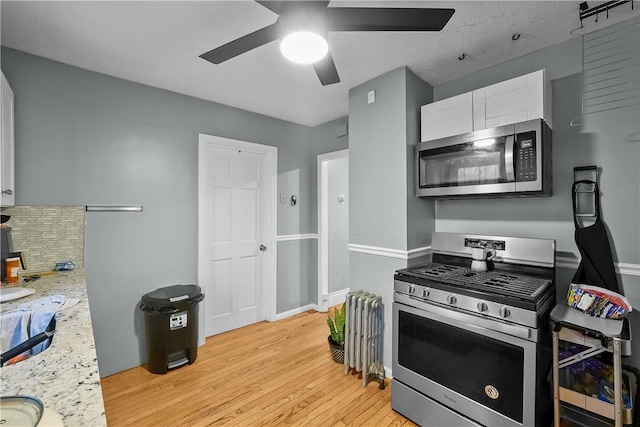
(326, 300)
(270, 213)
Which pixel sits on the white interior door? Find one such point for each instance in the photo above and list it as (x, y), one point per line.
(236, 239)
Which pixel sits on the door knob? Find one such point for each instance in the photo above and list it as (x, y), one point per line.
(263, 248)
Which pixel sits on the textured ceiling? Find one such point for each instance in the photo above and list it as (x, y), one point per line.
(157, 43)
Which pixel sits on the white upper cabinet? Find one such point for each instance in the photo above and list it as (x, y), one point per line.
(7, 146)
(516, 100)
(520, 99)
(451, 116)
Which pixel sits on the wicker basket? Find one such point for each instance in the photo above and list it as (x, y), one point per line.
(337, 351)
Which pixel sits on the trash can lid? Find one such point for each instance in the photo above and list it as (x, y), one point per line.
(172, 294)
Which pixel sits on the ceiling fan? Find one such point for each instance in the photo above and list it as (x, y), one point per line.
(312, 20)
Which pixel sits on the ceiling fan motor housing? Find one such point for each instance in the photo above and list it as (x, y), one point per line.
(311, 18)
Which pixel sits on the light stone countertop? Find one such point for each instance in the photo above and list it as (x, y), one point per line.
(65, 376)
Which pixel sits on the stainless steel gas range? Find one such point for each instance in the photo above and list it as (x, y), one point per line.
(473, 348)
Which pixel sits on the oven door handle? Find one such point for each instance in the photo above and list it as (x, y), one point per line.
(463, 320)
(509, 145)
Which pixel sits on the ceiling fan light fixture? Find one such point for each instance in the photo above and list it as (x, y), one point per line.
(304, 47)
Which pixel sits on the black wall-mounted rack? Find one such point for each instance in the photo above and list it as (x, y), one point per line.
(586, 11)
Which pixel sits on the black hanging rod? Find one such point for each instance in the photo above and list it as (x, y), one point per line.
(586, 12)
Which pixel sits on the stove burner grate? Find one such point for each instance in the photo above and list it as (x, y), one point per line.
(434, 270)
(508, 284)
(491, 282)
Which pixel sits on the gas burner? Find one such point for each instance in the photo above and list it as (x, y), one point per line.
(471, 273)
(433, 269)
(445, 272)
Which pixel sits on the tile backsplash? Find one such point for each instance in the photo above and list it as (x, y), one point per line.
(47, 235)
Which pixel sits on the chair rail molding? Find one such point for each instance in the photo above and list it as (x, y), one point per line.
(288, 237)
(623, 268)
(389, 252)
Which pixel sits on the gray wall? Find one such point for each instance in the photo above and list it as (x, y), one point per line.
(296, 263)
(298, 283)
(607, 139)
(420, 211)
(377, 163)
(297, 274)
(326, 138)
(84, 138)
(383, 212)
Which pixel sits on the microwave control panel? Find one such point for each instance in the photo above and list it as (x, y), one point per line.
(525, 157)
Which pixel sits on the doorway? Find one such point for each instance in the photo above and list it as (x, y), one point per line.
(236, 232)
(333, 228)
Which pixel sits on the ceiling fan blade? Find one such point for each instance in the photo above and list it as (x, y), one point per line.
(273, 6)
(288, 5)
(243, 44)
(387, 19)
(326, 70)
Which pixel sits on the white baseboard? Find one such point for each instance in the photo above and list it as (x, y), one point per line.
(335, 298)
(338, 297)
(295, 311)
(387, 372)
(330, 300)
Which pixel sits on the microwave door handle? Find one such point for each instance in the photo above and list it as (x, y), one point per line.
(508, 157)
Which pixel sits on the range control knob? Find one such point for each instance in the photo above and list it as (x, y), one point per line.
(425, 293)
(504, 312)
(412, 289)
(451, 299)
(482, 307)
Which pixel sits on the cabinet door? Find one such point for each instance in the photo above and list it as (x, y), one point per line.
(7, 178)
(515, 100)
(451, 116)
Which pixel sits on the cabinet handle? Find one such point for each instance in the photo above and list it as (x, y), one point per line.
(8, 192)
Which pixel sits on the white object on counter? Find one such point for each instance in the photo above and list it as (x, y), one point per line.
(50, 418)
(14, 292)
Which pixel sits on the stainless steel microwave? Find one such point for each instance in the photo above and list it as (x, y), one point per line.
(506, 161)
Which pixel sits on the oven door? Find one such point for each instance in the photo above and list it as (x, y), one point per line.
(483, 374)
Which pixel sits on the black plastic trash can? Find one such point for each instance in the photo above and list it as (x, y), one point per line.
(171, 326)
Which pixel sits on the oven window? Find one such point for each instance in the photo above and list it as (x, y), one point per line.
(471, 364)
(462, 165)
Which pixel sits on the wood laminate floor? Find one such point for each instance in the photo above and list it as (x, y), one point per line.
(278, 373)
